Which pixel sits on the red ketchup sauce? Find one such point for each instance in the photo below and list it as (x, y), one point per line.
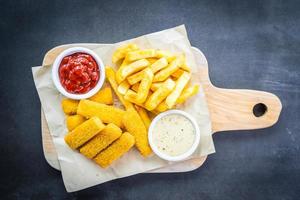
(78, 73)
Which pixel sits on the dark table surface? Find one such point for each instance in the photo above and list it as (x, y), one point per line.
(248, 44)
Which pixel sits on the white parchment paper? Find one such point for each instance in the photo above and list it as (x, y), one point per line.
(79, 172)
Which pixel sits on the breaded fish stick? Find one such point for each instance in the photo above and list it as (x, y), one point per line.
(134, 125)
(115, 150)
(84, 132)
(109, 134)
(103, 96)
(108, 114)
(69, 106)
(73, 121)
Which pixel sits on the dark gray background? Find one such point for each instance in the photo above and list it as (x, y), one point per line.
(248, 44)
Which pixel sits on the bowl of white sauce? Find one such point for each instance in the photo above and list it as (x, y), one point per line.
(174, 135)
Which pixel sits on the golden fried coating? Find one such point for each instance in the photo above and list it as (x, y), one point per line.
(103, 96)
(69, 106)
(115, 150)
(108, 114)
(84, 132)
(134, 125)
(109, 134)
(73, 121)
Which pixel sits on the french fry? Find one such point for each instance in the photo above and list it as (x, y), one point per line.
(177, 73)
(170, 69)
(141, 54)
(180, 84)
(144, 116)
(141, 96)
(131, 96)
(167, 54)
(110, 75)
(127, 70)
(145, 85)
(152, 60)
(161, 107)
(108, 114)
(186, 93)
(156, 66)
(185, 67)
(159, 95)
(159, 64)
(69, 106)
(155, 86)
(125, 62)
(135, 87)
(122, 66)
(115, 150)
(121, 52)
(73, 121)
(103, 96)
(84, 132)
(134, 125)
(123, 87)
(102, 140)
(135, 78)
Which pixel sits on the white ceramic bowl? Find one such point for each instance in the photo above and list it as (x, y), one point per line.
(55, 74)
(187, 153)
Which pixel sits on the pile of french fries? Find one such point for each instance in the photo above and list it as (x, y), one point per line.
(146, 81)
(155, 80)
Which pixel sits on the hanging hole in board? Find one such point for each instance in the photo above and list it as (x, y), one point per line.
(259, 109)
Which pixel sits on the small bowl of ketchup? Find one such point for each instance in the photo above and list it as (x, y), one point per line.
(78, 73)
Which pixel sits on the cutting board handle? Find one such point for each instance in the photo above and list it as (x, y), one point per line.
(237, 109)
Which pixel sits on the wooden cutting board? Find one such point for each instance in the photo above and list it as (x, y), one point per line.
(230, 109)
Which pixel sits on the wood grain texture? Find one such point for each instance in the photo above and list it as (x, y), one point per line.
(230, 109)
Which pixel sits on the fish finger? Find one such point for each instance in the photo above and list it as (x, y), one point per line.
(84, 132)
(109, 134)
(108, 114)
(115, 150)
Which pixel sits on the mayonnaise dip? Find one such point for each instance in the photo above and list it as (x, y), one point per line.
(173, 134)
